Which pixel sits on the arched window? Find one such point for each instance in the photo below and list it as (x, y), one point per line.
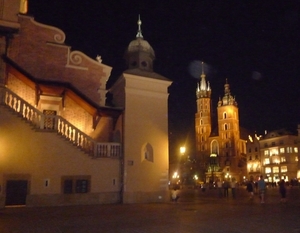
(214, 147)
(147, 152)
(224, 115)
(225, 127)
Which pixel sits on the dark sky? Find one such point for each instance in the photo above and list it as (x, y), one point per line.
(253, 44)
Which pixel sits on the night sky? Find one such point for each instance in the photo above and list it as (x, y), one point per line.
(255, 45)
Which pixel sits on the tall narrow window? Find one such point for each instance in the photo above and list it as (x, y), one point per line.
(148, 152)
(225, 127)
(68, 186)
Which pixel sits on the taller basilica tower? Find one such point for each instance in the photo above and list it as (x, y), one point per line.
(221, 152)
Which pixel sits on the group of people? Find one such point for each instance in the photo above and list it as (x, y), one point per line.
(261, 186)
(225, 187)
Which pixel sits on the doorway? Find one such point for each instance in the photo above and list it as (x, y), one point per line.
(16, 192)
(49, 119)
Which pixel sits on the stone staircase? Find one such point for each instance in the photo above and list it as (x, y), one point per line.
(61, 126)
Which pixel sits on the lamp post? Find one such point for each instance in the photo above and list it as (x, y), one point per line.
(182, 150)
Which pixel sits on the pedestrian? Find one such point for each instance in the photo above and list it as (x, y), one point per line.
(282, 190)
(250, 189)
(219, 186)
(261, 184)
(233, 186)
(256, 187)
(225, 187)
(204, 186)
(174, 195)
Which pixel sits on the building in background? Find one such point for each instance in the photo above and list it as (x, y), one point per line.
(254, 166)
(279, 153)
(61, 143)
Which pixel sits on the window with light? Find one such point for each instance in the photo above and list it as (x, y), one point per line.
(267, 170)
(276, 160)
(281, 150)
(296, 149)
(283, 168)
(275, 169)
(266, 152)
(274, 152)
(267, 161)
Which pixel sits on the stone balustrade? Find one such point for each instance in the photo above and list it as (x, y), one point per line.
(59, 125)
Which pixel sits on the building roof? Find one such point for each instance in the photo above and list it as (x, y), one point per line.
(145, 73)
(278, 133)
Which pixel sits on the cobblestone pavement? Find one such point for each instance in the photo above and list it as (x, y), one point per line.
(195, 211)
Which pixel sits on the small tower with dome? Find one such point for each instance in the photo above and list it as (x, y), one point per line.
(144, 96)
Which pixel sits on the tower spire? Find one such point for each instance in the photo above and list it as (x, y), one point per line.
(139, 32)
(203, 88)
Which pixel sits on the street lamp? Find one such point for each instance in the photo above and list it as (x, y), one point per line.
(175, 175)
(227, 176)
(182, 150)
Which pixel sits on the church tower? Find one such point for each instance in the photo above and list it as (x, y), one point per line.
(144, 96)
(203, 125)
(229, 130)
(220, 151)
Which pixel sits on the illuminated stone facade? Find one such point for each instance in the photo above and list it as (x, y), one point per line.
(60, 143)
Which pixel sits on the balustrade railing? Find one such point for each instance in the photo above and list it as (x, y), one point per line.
(60, 125)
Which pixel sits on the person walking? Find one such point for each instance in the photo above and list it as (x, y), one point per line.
(219, 186)
(174, 195)
(233, 188)
(261, 184)
(282, 191)
(225, 187)
(250, 189)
